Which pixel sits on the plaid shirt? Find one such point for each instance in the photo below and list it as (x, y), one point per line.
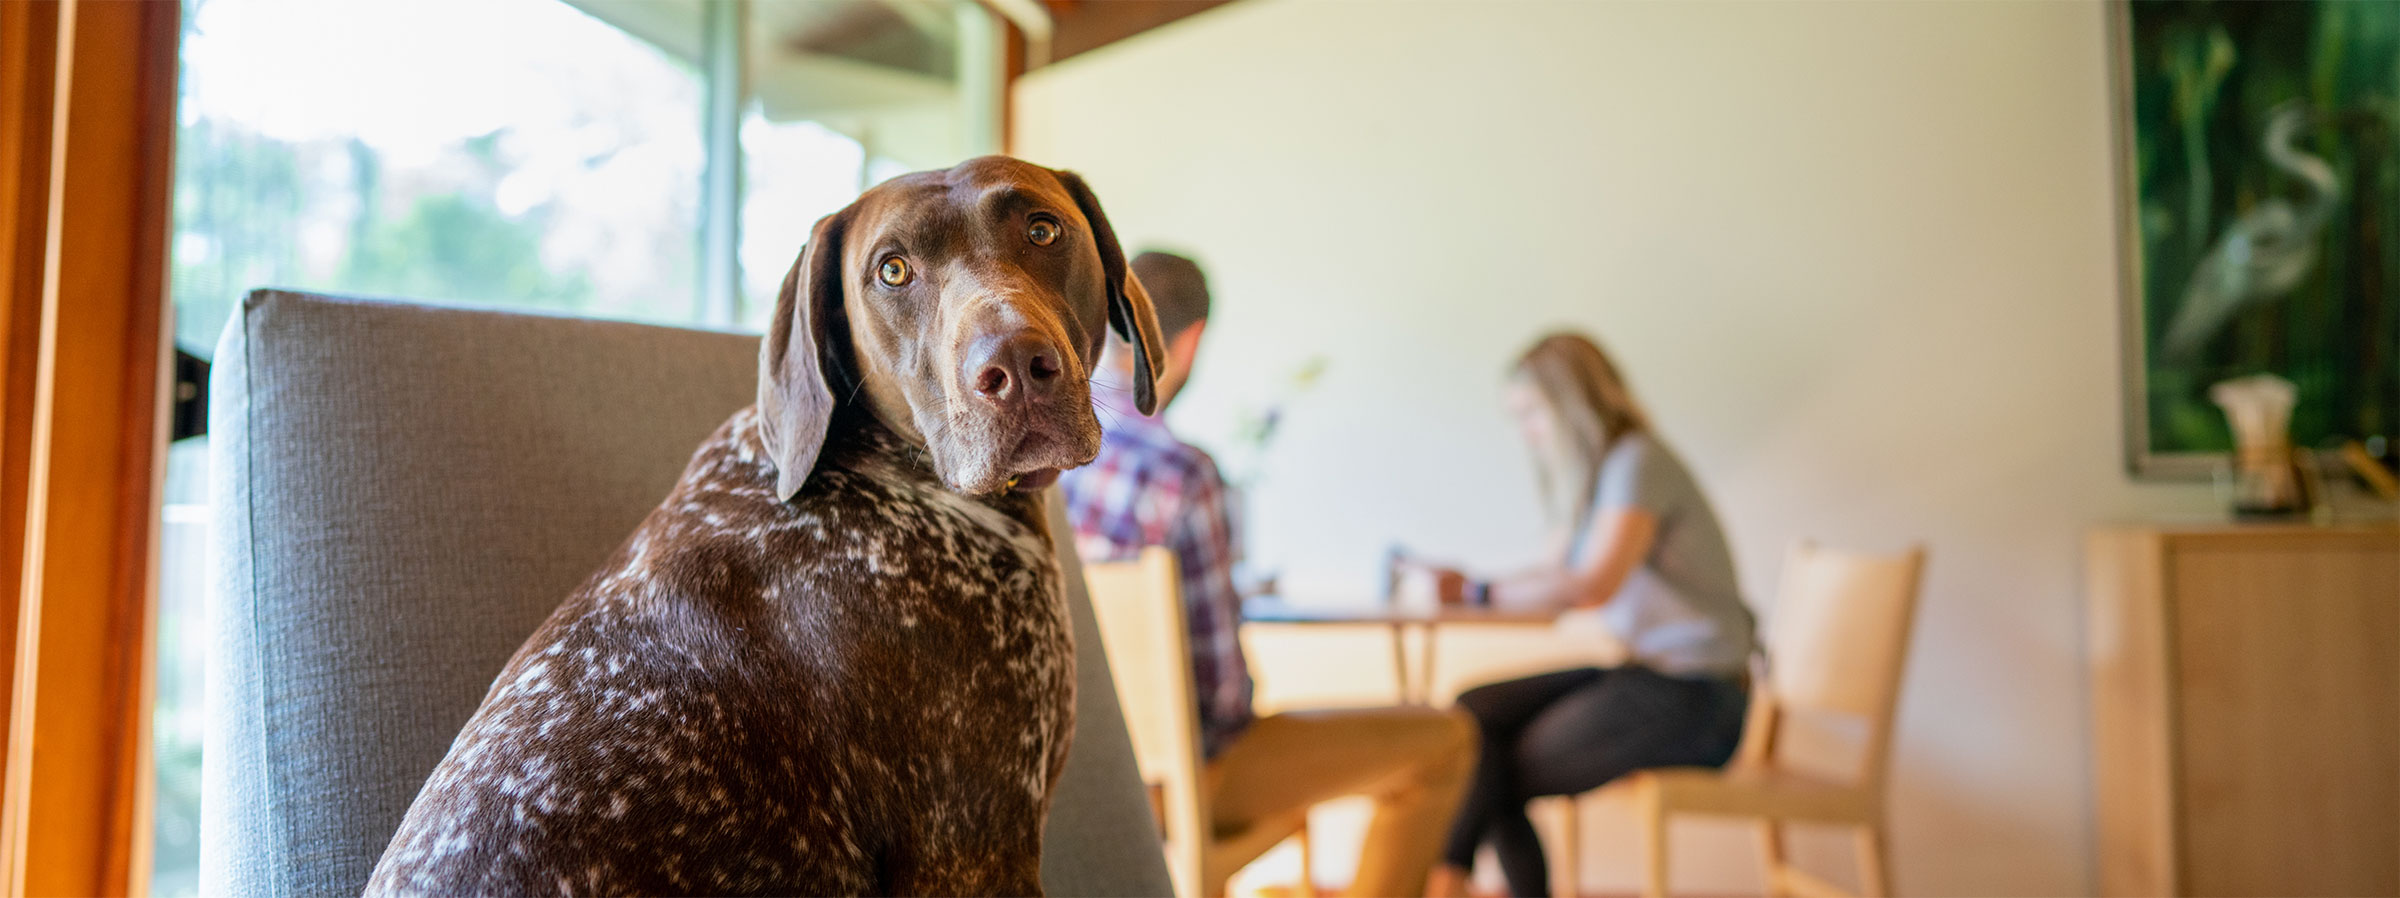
(1148, 488)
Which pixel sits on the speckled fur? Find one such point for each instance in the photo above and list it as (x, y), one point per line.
(869, 689)
(835, 660)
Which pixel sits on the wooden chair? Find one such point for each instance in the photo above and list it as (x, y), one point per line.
(1836, 645)
(1140, 607)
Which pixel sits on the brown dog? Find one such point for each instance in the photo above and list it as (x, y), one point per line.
(835, 660)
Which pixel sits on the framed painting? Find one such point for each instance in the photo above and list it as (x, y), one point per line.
(2259, 161)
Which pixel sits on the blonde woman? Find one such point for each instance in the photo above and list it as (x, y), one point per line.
(1632, 535)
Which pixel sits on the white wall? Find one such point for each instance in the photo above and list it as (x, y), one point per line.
(1858, 258)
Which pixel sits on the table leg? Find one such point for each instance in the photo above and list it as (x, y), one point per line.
(1400, 673)
(1426, 666)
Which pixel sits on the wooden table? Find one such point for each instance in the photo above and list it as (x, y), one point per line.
(1416, 688)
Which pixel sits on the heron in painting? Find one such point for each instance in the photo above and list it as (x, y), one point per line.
(2268, 250)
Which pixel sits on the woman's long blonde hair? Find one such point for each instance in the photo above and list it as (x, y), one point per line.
(1591, 409)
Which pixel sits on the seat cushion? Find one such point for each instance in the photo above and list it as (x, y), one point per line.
(400, 493)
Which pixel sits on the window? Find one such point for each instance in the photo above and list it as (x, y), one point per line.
(843, 96)
(435, 152)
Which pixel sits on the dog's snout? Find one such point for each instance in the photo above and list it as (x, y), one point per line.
(1014, 367)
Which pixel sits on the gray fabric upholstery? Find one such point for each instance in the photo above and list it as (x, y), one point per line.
(401, 494)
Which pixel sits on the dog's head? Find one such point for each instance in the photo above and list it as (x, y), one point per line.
(967, 308)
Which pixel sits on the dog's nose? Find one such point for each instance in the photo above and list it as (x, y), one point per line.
(1014, 367)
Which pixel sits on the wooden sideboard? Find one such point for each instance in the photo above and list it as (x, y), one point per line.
(2246, 709)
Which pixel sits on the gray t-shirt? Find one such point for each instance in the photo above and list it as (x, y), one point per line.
(1681, 612)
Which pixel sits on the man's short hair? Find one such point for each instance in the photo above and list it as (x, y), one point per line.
(1176, 287)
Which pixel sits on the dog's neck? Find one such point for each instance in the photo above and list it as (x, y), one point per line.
(856, 436)
(858, 440)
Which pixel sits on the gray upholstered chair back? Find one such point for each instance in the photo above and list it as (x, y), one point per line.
(401, 494)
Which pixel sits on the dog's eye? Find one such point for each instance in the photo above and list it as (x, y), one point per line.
(894, 271)
(1042, 232)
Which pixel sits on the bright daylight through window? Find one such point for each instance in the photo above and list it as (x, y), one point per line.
(539, 154)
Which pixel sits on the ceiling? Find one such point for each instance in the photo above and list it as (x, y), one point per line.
(873, 66)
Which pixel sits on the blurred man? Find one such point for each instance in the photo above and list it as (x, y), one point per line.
(1148, 488)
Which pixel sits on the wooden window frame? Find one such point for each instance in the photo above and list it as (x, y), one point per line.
(87, 104)
(87, 126)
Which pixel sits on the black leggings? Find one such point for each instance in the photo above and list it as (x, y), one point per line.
(1571, 731)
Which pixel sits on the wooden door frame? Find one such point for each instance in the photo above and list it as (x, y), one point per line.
(85, 410)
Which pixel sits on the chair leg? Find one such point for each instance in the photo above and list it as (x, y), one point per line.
(1567, 869)
(1308, 863)
(1874, 872)
(1214, 882)
(1770, 855)
(1654, 842)
(1190, 873)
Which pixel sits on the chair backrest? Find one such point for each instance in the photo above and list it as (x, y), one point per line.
(1837, 640)
(400, 493)
(1140, 606)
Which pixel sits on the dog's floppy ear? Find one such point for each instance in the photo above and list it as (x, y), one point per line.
(795, 401)
(1129, 310)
